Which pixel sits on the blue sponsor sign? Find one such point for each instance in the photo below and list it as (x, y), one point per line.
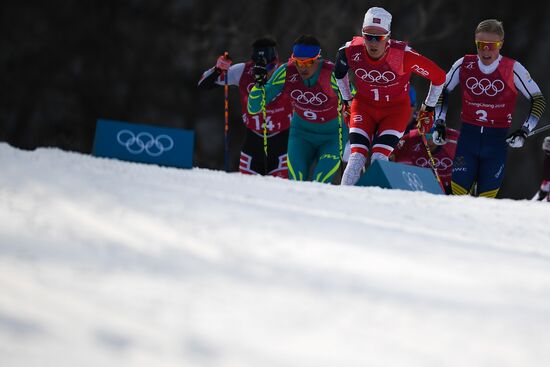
(144, 143)
(401, 176)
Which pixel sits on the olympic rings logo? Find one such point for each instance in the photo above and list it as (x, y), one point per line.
(375, 76)
(144, 141)
(443, 163)
(413, 180)
(484, 86)
(309, 97)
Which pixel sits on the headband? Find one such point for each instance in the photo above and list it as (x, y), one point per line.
(306, 51)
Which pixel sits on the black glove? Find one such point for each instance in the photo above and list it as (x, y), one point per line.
(517, 138)
(260, 72)
(440, 133)
(346, 110)
(541, 195)
(546, 145)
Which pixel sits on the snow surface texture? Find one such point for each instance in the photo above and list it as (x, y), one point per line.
(107, 263)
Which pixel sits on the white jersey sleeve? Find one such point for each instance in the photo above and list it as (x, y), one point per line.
(523, 81)
(529, 88)
(451, 81)
(234, 75)
(453, 76)
(344, 87)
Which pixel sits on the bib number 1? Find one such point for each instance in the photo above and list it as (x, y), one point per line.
(377, 95)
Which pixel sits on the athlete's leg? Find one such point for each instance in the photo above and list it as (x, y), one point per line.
(301, 153)
(361, 129)
(465, 164)
(393, 122)
(251, 160)
(277, 147)
(362, 126)
(492, 161)
(329, 159)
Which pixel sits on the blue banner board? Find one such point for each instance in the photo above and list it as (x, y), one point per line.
(401, 176)
(144, 143)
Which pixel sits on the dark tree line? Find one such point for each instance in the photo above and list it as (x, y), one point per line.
(64, 64)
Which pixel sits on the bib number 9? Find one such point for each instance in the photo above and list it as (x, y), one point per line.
(310, 115)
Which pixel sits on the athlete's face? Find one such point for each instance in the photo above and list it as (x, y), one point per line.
(375, 42)
(307, 69)
(488, 47)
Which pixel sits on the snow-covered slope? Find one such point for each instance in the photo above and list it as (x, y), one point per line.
(106, 263)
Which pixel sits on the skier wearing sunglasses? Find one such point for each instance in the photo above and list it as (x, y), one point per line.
(380, 111)
(316, 126)
(490, 84)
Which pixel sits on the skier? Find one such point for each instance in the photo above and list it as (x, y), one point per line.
(316, 126)
(381, 108)
(489, 84)
(253, 159)
(411, 150)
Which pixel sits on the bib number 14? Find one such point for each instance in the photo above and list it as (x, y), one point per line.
(258, 122)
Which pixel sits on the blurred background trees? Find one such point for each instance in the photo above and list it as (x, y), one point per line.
(65, 64)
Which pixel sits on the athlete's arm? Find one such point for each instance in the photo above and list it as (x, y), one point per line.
(213, 76)
(272, 89)
(341, 68)
(451, 81)
(428, 69)
(335, 87)
(529, 88)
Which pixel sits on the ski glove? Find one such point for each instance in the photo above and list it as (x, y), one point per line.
(260, 74)
(440, 133)
(346, 111)
(223, 63)
(425, 119)
(517, 138)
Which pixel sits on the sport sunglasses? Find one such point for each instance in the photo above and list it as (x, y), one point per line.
(304, 62)
(375, 37)
(491, 46)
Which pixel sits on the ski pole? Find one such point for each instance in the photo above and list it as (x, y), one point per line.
(432, 160)
(226, 115)
(341, 119)
(264, 115)
(539, 130)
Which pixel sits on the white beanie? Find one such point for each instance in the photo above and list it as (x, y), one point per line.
(377, 18)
